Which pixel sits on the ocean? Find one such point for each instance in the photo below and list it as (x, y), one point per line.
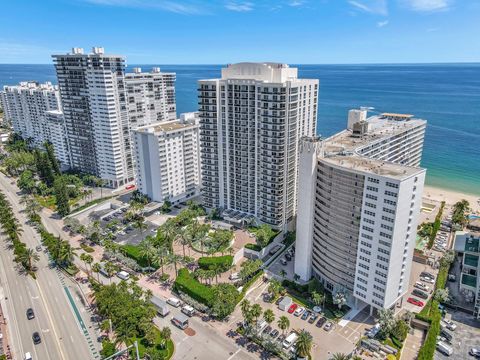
(446, 95)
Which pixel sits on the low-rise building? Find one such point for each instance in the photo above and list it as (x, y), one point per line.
(167, 159)
(467, 245)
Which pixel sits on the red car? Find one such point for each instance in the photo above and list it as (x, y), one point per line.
(415, 302)
(292, 308)
(129, 187)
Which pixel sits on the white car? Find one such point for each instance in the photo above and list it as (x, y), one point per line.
(174, 302)
(427, 279)
(299, 311)
(450, 325)
(421, 286)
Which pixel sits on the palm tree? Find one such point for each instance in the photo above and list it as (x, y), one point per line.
(147, 249)
(160, 258)
(274, 288)
(304, 344)
(339, 356)
(269, 316)
(283, 273)
(165, 333)
(96, 269)
(175, 260)
(88, 260)
(28, 257)
(66, 253)
(318, 298)
(256, 311)
(111, 269)
(283, 323)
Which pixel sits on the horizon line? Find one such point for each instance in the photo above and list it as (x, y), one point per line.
(222, 64)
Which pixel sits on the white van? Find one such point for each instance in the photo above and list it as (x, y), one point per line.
(290, 340)
(28, 356)
(174, 302)
(123, 275)
(234, 277)
(444, 348)
(181, 321)
(188, 310)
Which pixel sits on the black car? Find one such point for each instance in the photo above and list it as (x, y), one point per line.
(279, 300)
(30, 314)
(267, 330)
(36, 338)
(281, 338)
(274, 333)
(288, 256)
(313, 318)
(321, 321)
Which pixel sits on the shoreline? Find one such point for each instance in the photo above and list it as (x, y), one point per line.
(450, 197)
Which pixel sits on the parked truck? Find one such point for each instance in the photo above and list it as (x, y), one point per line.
(161, 306)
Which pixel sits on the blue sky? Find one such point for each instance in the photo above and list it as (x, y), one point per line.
(226, 31)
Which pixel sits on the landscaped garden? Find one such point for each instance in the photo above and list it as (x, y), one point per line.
(263, 234)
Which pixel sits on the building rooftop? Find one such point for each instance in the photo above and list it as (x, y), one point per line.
(187, 120)
(467, 242)
(344, 148)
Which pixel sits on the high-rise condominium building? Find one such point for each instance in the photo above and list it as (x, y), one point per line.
(250, 122)
(167, 159)
(92, 90)
(150, 97)
(360, 194)
(25, 106)
(55, 132)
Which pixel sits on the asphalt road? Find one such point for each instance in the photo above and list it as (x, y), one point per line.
(55, 317)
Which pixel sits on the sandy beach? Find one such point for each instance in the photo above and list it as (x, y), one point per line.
(451, 197)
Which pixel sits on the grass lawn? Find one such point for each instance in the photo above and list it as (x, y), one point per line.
(47, 201)
(143, 346)
(90, 203)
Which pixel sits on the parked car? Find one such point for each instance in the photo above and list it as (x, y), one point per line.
(450, 324)
(279, 300)
(321, 321)
(36, 338)
(421, 286)
(281, 338)
(475, 352)
(38, 248)
(444, 348)
(288, 256)
(274, 333)
(188, 310)
(290, 340)
(267, 330)
(30, 314)
(415, 301)
(305, 315)
(283, 261)
(420, 293)
(313, 318)
(292, 308)
(328, 326)
(427, 279)
(427, 274)
(28, 356)
(174, 301)
(299, 311)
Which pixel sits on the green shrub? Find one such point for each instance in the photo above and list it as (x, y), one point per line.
(87, 249)
(427, 350)
(253, 247)
(222, 263)
(133, 252)
(436, 226)
(187, 284)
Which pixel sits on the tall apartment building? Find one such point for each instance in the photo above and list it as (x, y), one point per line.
(150, 97)
(92, 90)
(167, 159)
(250, 122)
(360, 194)
(55, 132)
(25, 106)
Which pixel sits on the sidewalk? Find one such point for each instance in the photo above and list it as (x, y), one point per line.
(4, 343)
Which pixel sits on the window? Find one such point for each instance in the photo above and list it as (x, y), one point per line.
(370, 196)
(389, 202)
(370, 205)
(390, 193)
(366, 228)
(392, 185)
(376, 181)
(372, 188)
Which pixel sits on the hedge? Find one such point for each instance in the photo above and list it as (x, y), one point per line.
(222, 263)
(187, 284)
(253, 247)
(427, 350)
(133, 252)
(436, 226)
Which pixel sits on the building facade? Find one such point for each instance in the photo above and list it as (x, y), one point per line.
(92, 90)
(167, 159)
(56, 133)
(250, 122)
(150, 97)
(356, 234)
(467, 246)
(25, 106)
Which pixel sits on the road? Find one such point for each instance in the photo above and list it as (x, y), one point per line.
(57, 317)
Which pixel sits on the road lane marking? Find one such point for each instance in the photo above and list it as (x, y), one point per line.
(235, 353)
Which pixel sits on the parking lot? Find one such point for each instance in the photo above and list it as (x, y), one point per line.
(465, 336)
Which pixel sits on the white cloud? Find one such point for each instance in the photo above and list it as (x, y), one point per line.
(381, 24)
(165, 5)
(296, 3)
(371, 6)
(428, 5)
(239, 6)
